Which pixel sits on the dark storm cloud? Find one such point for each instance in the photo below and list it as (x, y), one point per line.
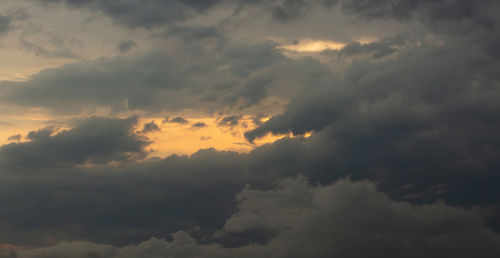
(337, 220)
(94, 140)
(126, 46)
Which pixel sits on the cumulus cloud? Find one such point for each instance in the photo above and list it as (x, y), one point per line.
(342, 219)
(94, 140)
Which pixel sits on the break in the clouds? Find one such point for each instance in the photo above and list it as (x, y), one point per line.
(385, 138)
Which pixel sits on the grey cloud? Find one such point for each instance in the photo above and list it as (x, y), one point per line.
(142, 14)
(421, 117)
(195, 34)
(434, 13)
(257, 120)
(115, 204)
(178, 120)
(158, 13)
(378, 49)
(427, 117)
(5, 22)
(40, 134)
(150, 127)
(62, 52)
(35, 38)
(342, 219)
(229, 121)
(199, 125)
(289, 10)
(251, 58)
(238, 77)
(94, 140)
(14, 138)
(170, 12)
(159, 196)
(127, 82)
(126, 46)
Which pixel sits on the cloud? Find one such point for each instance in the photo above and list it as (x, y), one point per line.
(14, 138)
(177, 120)
(229, 121)
(199, 125)
(150, 127)
(136, 13)
(153, 14)
(344, 218)
(411, 118)
(435, 11)
(95, 140)
(126, 46)
(418, 109)
(153, 82)
(5, 22)
(112, 203)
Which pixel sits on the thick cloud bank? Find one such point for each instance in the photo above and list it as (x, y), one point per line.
(344, 219)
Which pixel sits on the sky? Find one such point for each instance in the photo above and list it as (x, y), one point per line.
(249, 128)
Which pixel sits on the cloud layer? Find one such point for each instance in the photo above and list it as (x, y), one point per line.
(391, 147)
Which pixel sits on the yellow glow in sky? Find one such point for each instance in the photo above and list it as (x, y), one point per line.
(177, 138)
(174, 138)
(313, 46)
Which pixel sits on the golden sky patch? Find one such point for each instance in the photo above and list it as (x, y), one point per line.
(313, 46)
(175, 138)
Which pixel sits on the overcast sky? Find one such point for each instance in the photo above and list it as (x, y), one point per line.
(249, 128)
